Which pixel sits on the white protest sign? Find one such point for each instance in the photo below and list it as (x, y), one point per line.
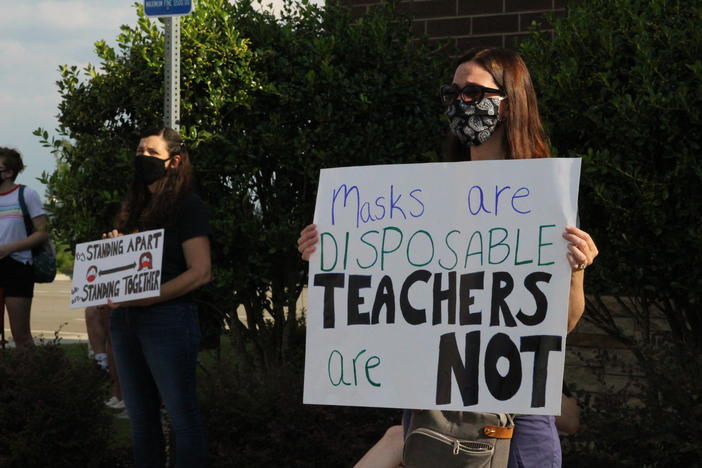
(441, 286)
(121, 269)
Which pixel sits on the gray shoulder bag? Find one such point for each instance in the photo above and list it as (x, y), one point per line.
(457, 439)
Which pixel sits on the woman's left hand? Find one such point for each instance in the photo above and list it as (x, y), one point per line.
(112, 305)
(581, 248)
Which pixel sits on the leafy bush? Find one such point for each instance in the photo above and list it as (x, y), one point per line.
(266, 103)
(259, 420)
(52, 411)
(64, 259)
(620, 84)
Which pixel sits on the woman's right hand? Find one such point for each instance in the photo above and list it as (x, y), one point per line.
(307, 241)
(112, 234)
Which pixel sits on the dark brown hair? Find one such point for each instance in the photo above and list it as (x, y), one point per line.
(142, 209)
(519, 113)
(12, 160)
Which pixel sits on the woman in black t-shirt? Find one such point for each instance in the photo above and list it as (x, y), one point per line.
(156, 340)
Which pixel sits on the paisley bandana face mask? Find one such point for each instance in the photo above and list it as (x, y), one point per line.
(474, 122)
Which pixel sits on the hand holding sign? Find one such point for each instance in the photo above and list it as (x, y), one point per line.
(117, 268)
(112, 234)
(307, 241)
(581, 248)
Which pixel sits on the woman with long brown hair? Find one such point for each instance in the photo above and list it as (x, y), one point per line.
(493, 115)
(156, 340)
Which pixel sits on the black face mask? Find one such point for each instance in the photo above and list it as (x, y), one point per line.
(149, 169)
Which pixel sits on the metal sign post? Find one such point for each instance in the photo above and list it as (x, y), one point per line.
(171, 98)
(170, 11)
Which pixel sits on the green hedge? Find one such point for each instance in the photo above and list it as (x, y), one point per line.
(52, 411)
(620, 84)
(256, 421)
(266, 103)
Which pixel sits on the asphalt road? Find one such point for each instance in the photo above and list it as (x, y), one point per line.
(51, 313)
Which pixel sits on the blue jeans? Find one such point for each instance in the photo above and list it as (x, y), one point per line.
(156, 353)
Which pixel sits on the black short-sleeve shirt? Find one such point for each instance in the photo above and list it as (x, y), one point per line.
(192, 220)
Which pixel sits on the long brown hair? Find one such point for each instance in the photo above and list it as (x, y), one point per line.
(519, 113)
(142, 209)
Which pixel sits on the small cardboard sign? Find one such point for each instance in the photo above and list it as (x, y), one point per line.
(121, 269)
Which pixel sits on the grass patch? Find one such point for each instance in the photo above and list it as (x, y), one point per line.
(210, 357)
(76, 351)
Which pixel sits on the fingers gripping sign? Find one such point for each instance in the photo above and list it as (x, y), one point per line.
(307, 241)
(581, 248)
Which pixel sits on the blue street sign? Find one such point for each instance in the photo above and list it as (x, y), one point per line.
(167, 7)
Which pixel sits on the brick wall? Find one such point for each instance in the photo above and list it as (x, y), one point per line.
(598, 363)
(468, 23)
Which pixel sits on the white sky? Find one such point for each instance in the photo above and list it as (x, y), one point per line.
(36, 36)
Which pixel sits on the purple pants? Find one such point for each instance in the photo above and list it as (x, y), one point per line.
(535, 443)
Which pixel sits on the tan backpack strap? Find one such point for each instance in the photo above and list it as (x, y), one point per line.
(498, 432)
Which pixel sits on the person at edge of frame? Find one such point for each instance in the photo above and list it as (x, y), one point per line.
(156, 340)
(493, 115)
(97, 324)
(16, 275)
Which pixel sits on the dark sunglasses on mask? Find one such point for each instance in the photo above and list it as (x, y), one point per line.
(469, 93)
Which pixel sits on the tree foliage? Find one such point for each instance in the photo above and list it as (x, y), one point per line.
(266, 103)
(621, 85)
